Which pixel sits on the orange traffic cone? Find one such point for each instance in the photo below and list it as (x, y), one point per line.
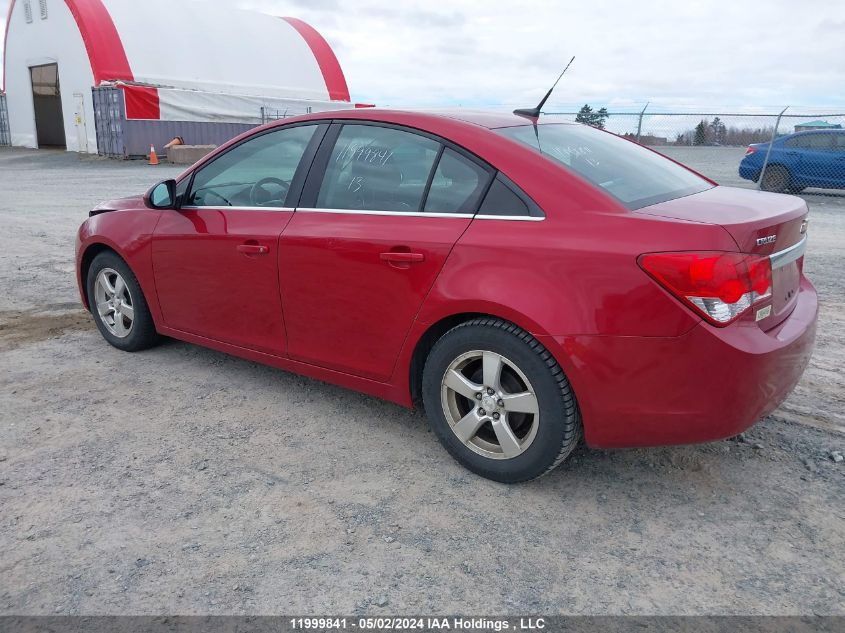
(153, 155)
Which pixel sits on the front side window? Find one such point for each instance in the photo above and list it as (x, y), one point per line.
(457, 185)
(256, 173)
(377, 169)
(632, 174)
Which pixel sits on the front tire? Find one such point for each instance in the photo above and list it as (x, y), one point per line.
(499, 402)
(118, 305)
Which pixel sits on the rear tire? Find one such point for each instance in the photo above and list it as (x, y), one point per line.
(118, 305)
(499, 402)
(776, 178)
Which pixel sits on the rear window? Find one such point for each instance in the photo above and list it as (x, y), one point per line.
(632, 174)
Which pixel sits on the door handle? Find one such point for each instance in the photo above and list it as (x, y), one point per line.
(402, 257)
(253, 249)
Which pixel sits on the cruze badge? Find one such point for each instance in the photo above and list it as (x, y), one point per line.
(769, 239)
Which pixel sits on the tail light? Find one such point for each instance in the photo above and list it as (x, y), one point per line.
(750, 151)
(719, 286)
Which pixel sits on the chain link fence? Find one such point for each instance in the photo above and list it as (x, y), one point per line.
(785, 152)
(5, 134)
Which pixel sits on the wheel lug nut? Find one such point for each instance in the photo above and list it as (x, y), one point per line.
(478, 396)
(481, 412)
(496, 416)
(500, 403)
(490, 392)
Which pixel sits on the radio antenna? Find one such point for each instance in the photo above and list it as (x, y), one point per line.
(534, 113)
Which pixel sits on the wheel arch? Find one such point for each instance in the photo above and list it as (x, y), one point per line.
(778, 163)
(435, 330)
(100, 244)
(87, 256)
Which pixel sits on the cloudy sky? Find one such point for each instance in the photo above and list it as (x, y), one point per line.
(678, 54)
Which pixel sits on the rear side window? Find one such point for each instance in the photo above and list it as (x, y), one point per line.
(632, 174)
(502, 200)
(811, 141)
(457, 185)
(378, 169)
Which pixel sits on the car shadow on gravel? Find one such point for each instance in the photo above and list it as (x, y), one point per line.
(224, 383)
(770, 441)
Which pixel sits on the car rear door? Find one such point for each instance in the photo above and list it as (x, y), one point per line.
(838, 160)
(380, 213)
(216, 259)
(816, 159)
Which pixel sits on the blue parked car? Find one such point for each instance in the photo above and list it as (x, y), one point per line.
(797, 161)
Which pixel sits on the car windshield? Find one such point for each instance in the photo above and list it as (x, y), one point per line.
(632, 174)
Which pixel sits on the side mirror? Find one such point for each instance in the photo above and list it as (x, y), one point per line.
(162, 195)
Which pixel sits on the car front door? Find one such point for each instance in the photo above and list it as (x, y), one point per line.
(216, 258)
(380, 213)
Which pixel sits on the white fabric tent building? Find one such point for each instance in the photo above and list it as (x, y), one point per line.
(173, 62)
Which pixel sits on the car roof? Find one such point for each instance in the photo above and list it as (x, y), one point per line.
(490, 119)
(830, 130)
(485, 118)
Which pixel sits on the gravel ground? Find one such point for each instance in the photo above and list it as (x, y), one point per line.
(182, 480)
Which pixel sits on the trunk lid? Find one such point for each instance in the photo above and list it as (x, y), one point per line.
(777, 221)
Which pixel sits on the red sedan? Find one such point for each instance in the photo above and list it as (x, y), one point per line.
(527, 283)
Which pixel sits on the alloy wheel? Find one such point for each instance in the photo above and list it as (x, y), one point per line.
(114, 302)
(489, 404)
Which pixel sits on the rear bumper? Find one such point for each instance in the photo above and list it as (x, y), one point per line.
(709, 384)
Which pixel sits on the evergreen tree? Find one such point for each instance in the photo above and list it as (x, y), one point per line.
(600, 117)
(590, 117)
(585, 115)
(700, 137)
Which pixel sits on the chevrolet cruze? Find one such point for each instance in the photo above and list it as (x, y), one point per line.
(527, 282)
